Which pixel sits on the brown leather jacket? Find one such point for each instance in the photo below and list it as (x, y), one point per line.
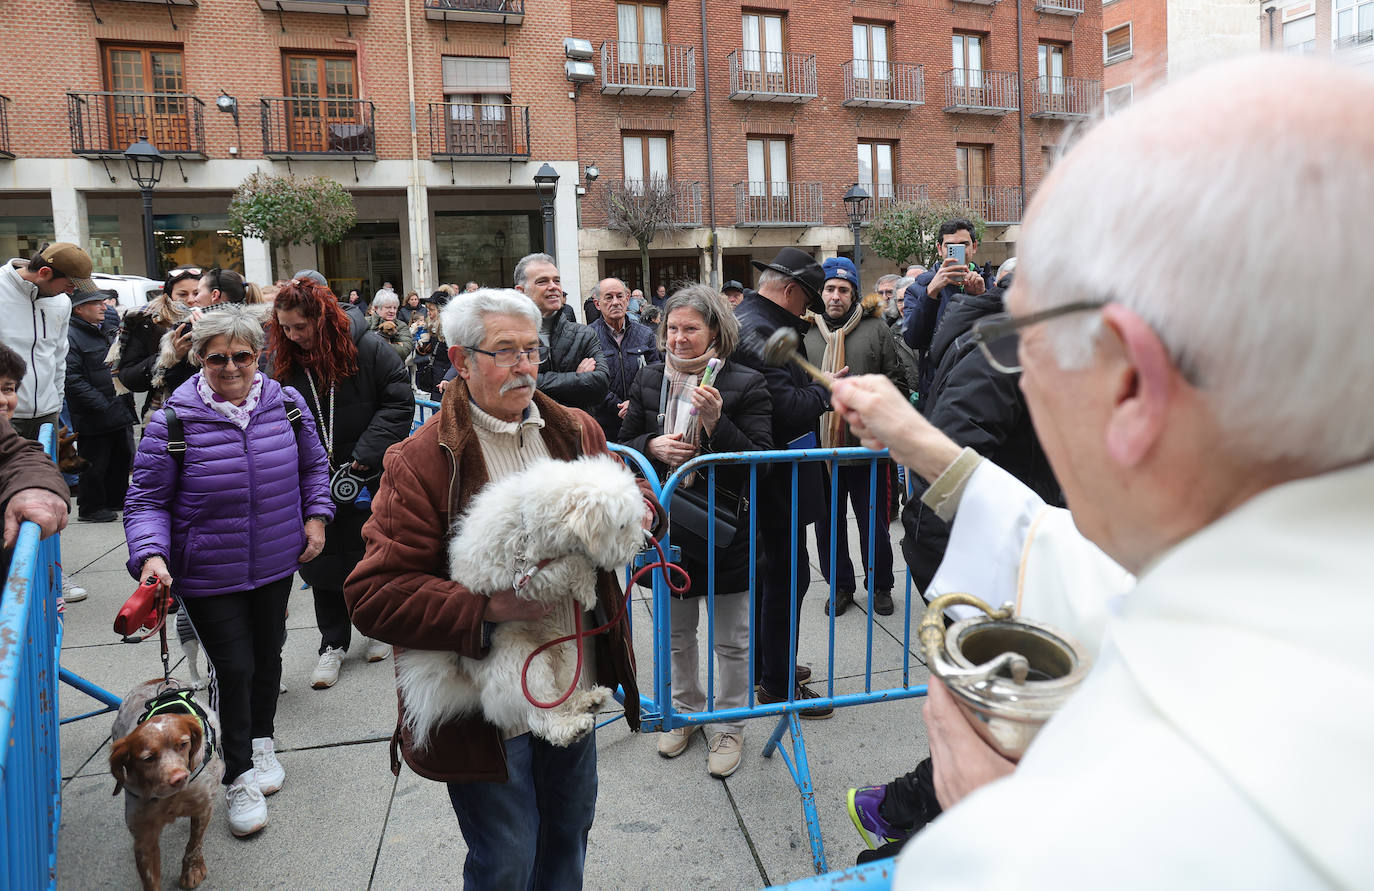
(400, 592)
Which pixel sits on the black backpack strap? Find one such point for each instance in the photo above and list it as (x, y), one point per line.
(176, 435)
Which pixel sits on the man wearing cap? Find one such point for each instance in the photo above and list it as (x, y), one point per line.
(851, 334)
(733, 291)
(788, 286)
(103, 421)
(34, 312)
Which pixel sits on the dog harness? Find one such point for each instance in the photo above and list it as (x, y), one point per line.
(180, 702)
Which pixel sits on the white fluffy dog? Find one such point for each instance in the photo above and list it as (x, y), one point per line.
(583, 516)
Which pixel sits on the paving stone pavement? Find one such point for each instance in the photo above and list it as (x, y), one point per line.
(342, 821)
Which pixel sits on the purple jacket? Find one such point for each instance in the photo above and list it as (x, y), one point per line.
(234, 518)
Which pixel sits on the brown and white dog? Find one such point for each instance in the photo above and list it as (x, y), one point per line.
(167, 764)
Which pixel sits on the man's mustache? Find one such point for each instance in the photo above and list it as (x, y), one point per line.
(520, 380)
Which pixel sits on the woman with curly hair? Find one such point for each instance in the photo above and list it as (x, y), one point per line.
(360, 394)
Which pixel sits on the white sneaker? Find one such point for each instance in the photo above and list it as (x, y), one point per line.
(377, 651)
(327, 671)
(270, 772)
(72, 593)
(724, 758)
(672, 743)
(247, 808)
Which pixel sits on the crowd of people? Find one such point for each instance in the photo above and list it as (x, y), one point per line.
(1206, 489)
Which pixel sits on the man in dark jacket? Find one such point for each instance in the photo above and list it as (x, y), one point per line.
(102, 420)
(979, 407)
(31, 488)
(852, 334)
(627, 345)
(788, 286)
(575, 373)
(928, 297)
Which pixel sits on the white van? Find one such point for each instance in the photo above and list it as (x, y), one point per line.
(133, 290)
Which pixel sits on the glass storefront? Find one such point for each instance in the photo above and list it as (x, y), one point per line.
(368, 256)
(106, 246)
(204, 240)
(24, 236)
(483, 247)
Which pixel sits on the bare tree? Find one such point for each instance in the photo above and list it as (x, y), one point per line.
(643, 210)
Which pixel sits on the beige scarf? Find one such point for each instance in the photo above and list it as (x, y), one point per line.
(677, 371)
(832, 423)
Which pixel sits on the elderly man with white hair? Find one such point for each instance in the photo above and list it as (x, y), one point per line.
(1204, 405)
(524, 805)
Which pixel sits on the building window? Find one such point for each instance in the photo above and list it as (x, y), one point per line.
(1300, 36)
(1052, 68)
(765, 40)
(870, 51)
(1049, 156)
(640, 28)
(1116, 44)
(477, 95)
(971, 162)
(161, 117)
(1354, 22)
(968, 60)
(875, 168)
(321, 91)
(648, 158)
(1117, 99)
(768, 166)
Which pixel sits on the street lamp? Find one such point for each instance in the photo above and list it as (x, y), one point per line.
(856, 206)
(145, 168)
(546, 186)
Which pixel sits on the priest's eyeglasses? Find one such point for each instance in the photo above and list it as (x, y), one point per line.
(999, 337)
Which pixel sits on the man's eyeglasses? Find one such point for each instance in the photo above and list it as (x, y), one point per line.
(243, 358)
(998, 336)
(505, 358)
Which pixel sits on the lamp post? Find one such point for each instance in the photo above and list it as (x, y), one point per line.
(856, 206)
(145, 168)
(546, 186)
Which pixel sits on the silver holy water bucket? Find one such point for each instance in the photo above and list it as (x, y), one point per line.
(1009, 675)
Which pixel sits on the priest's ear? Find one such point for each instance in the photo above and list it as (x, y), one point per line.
(1146, 387)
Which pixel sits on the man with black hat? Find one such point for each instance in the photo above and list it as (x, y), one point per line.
(787, 287)
(34, 311)
(103, 421)
(733, 291)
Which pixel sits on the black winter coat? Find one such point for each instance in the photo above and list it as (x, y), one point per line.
(569, 344)
(745, 425)
(798, 403)
(982, 408)
(373, 411)
(140, 341)
(90, 387)
(638, 348)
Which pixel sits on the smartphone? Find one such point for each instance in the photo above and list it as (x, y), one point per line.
(956, 253)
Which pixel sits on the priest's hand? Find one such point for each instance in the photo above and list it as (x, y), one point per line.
(962, 761)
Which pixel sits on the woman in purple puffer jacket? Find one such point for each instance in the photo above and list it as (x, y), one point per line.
(226, 524)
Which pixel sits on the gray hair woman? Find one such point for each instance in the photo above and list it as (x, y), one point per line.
(672, 417)
(385, 306)
(227, 499)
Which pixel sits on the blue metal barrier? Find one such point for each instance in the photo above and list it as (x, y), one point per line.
(424, 410)
(875, 876)
(30, 752)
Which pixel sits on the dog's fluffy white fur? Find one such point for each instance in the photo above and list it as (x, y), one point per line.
(589, 515)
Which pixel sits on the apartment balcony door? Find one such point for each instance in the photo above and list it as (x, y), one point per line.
(154, 104)
(322, 93)
(762, 62)
(640, 52)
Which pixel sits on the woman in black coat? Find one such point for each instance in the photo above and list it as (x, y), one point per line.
(734, 414)
(360, 394)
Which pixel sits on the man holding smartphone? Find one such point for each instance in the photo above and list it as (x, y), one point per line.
(929, 296)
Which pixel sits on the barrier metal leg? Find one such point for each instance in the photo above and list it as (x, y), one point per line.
(800, 768)
(99, 694)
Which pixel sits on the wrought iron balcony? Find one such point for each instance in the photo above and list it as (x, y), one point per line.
(335, 7)
(684, 197)
(503, 12)
(1363, 38)
(889, 195)
(306, 127)
(777, 204)
(772, 77)
(480, 132)
(648, 69)
(1060, 7)
(1066, 98)
(975, 91)
(878, 84)
(997, 205)
(6, 150)
(105, 124)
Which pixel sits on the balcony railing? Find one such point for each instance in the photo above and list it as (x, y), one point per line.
(1060, 7)
(1352, 41)
(998, 205)
(108, 123)
(333, 7)
(6, 150)
(778, 204)
(483, 132)
(889, 195)
(685, 197)
(878, 84)
(772, 77)
(975, 91)
(307, 127)
(510, 12)
(648, 69)
(1067, 98)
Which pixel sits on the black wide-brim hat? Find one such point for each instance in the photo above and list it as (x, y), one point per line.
(799, 266)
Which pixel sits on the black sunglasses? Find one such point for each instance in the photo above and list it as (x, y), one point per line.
(243, 358)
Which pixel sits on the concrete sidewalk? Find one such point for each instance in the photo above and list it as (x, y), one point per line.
(342, 821)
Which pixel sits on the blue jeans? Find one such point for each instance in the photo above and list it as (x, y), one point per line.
(529, 832)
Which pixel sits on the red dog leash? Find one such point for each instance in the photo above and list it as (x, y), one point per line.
(579, 634)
